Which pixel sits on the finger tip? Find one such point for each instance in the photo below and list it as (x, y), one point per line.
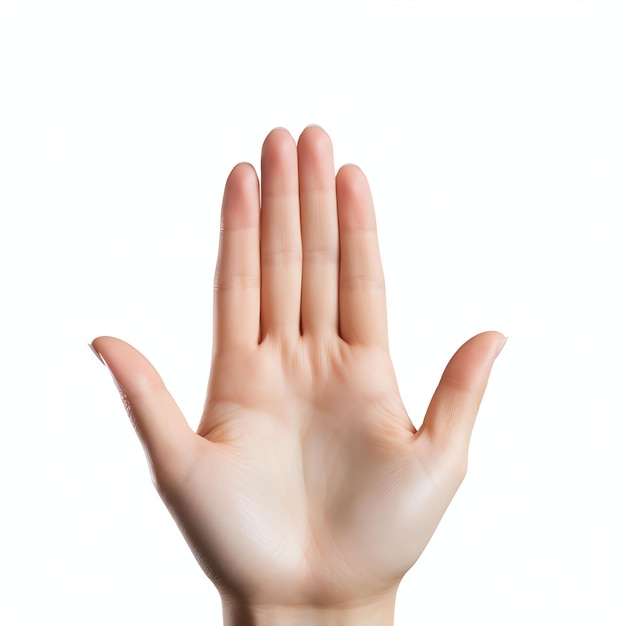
(242, 169)
(278, 133)
(314, 133)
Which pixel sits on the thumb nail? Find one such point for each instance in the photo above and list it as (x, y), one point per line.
(101, 359)
(501, 346)
(98, 355)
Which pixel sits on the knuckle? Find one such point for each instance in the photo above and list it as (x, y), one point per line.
(240, 281)
(366, 282)
(281, 257)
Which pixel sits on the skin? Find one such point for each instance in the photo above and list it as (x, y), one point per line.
(306, 493)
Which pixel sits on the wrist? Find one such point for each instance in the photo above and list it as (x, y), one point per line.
(372, 612)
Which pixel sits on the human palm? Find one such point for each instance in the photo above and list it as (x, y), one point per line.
(306, 482)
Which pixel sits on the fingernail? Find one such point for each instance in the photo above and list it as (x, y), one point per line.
(121, 390)
(502, 344)
(97, 354)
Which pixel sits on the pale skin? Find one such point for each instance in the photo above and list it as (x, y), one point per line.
(306, 492)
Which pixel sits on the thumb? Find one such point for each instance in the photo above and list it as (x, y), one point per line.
(452, 412)
(160, 425)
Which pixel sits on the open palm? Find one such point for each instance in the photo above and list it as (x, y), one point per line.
(306, 482)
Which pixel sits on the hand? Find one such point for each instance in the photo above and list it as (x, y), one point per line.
(306, 486)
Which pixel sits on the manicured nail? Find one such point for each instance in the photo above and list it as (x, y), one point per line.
(502, 344)
(97, 354)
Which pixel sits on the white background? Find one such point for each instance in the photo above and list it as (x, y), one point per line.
(494, 138)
